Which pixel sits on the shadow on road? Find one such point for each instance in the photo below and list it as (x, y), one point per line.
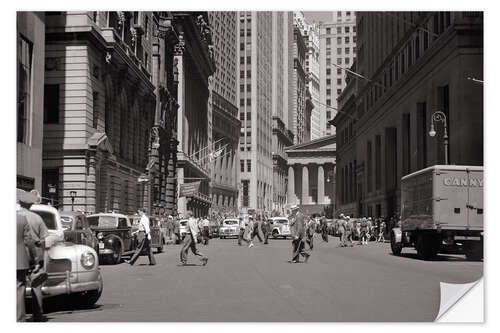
(439, 257)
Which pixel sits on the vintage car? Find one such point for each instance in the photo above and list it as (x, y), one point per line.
(114, 232)
(77, 229)
(229, 228)
(280, 227)
(73, 269)
(157, 235)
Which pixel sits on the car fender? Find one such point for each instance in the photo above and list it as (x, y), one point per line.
(110, 239)
(398, 234)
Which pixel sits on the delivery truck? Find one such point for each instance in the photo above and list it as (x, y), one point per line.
(441, 212)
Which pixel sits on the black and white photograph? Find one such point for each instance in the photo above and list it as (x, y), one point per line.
(244, 166)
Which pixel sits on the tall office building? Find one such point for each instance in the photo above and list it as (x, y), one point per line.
(224, 125)
(282, 136)
(300, 118)
(255, 100)
(311, 38)
(337, 47)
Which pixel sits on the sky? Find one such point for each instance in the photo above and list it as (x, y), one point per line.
(325, 16)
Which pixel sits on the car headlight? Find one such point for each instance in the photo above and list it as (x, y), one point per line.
(87, 259)
(100, 235)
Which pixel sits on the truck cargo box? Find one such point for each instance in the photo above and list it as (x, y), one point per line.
(443, 197)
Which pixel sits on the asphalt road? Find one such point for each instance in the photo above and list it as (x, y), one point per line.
(363, 283)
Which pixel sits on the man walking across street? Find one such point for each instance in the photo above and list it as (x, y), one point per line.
(266, 230)
(144, 238)
(256, 230)
(324, 229)
(39, 232)
(190, 241)
(310, 226)
(298, 222)
(348, 231)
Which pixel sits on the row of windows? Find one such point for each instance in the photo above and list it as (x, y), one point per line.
(249, 165)
(347, 61)
(347, 40)
(347, 29)
(329, 82)
(329, 71)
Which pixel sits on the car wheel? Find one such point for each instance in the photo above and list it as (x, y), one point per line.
(395, 247)
(89, 298)
(159, 249)
(116, 257)
(275, 234)
(474, 252)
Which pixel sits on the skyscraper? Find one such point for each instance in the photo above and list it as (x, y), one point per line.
(337, 48)
(255, 96)
(224, 125)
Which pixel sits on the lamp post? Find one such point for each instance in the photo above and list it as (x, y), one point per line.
(439, 116)
(329, 179)
(73, 196)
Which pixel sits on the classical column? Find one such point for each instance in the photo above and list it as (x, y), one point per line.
(321, 185)
(291, 185)
(305, 185)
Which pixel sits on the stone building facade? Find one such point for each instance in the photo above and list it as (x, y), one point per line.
(30, 63)
(105, 121)
(415, 70)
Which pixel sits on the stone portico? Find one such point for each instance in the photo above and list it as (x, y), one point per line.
(311, 174)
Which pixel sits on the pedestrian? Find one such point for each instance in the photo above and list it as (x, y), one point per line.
(170, 226)
(39, 233)
(381, 233)
(26, 255)
(247, 236)
(177, 230)
(324, 229)
(266, 230)
(205, 223)
(297, 224)
(348, 231)
(144, 240)
(363, 227)
(310, 226)
(242, 226)
(190, 241)
(256, 229)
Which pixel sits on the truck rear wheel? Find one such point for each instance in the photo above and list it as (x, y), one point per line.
(427, 246)
(395, 247)
(474, 252)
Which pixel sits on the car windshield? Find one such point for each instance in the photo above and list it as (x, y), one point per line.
(66, 221)
(230, 222)
(49, 219)
(281, 221)
(103, 221)
(183, 223)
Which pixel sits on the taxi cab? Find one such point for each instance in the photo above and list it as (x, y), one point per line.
(229, 228)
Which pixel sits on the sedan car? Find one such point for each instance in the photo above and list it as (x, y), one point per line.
(229, 228)
(77, 229)
(72, 269)
(114, 232)
(280, 227)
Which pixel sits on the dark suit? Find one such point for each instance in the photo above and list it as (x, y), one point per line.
(298, 234)
(26, 257)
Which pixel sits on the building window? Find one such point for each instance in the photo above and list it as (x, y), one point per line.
(339, 50)
(339, 61)
(242, 88)
(328, 82)
(339, 71)
(242, 60)
(328, 114)
(346, 40)
(328, 31)
(347, 61)
(51, 104)
(242, 114)
(354, 39)
(339, 40)
(249, 87)
(353, 28)
(249, 165)
(328, 61)
(242, 165)
(328, 71)
(249, 115)
(24, 49)
(242, 46)
(328, 41)
(242, 74)
(328, 91)
(339, 14)
(339, 91)
(347, 30)
(339, 30)
(249, 60)
(249, 74)
(339, 82)
(329, 102)
(95, 115)
(347, 50)
(249, 101)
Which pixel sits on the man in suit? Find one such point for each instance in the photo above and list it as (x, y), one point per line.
(190, 241)
(39, 233)
(26, 258)
(266, 230)
(298, 222)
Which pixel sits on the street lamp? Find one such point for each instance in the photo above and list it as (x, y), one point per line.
(439, 116)
(329, 179)
(73, 196)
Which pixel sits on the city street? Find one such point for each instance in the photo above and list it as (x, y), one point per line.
(363, 283)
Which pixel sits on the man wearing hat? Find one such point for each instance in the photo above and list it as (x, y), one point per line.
(324, 229)
(298, 224)
(39, 233)
(348, 230)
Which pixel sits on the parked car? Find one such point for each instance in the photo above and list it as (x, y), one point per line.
(114, 232)
(157, 236)
(229, 228)
(72, 269)
(280, 227)
(77, 229)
